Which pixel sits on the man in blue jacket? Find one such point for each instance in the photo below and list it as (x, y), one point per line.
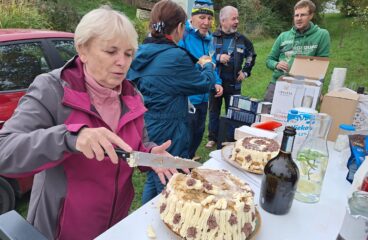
(235, 58)
(196, 40)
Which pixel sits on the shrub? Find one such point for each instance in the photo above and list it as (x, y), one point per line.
(61, 15)
(257, 20)
(141, 26)
(267, 17)
(22, 14)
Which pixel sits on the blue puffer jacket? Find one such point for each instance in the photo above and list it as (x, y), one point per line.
(166, 75)
(197, 45)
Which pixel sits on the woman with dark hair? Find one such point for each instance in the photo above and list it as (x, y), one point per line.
(166, 75)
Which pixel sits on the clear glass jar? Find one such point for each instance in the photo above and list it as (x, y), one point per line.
(312, 159)
(342, 140)
(355, 224)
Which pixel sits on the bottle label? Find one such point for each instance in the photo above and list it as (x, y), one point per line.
(287, 144)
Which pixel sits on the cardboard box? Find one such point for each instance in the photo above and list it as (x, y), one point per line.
(300, 119)
(341, 105)
(245, 131)
(302, 88)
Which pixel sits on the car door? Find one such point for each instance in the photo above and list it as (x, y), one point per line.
(22, 61)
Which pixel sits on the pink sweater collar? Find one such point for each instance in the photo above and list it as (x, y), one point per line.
(105, 100)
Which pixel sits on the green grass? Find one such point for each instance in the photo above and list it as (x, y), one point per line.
(348, 49)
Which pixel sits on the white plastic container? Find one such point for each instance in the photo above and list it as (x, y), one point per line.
(342, 140)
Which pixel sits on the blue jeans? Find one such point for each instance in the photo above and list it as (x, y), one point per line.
(152, 187)
(197, 123)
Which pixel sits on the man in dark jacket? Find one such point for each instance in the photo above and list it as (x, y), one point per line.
(235, 58)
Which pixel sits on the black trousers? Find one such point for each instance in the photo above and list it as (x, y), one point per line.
(215, 110)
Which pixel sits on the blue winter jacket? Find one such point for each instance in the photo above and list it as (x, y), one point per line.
(197, 45)
(166, 75)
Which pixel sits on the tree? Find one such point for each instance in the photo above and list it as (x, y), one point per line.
(267, 17)
(358, 9)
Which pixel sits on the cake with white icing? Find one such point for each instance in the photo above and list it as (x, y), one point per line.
(252, 153)
(208, 204)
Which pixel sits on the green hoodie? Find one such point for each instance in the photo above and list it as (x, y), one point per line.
(314, 42)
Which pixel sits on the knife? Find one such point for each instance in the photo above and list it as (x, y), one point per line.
(136, 158)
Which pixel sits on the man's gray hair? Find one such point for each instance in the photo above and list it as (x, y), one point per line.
(225, 12)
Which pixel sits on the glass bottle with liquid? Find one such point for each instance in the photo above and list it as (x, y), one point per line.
(312, 159)
(280, 178)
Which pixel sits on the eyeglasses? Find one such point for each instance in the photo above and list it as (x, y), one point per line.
(302, 15)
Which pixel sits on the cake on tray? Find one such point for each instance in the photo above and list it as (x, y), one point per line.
(252, 153)
(208, 204)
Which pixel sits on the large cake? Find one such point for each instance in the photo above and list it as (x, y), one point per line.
(252, 153)
(208, 204)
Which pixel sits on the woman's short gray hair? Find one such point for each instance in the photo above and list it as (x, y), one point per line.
(107, 24)
(225, 12)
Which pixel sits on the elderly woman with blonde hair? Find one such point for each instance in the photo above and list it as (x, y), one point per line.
(66, 127)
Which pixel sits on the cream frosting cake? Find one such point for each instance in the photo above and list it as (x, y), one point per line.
(252, 153)
(208, 204)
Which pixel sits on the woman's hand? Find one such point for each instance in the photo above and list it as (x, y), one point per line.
(95, 142)
(164, 172)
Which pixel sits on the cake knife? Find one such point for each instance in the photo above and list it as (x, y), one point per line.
(136, 158)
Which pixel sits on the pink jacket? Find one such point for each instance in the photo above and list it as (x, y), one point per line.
(72, 197)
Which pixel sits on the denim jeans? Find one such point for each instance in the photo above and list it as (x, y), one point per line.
(197, 123)
(152, 187)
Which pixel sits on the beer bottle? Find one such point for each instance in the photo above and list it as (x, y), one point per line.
(280, 178)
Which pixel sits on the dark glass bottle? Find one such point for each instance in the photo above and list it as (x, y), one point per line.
(280, 178)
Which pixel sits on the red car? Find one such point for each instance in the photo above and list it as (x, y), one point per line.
(25, 53)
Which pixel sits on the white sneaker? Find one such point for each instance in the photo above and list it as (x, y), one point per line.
(210, 144)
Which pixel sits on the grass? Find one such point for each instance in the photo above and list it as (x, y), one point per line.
(348, 49)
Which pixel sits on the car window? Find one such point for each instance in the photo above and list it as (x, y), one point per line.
(20, 63)
(65, 48)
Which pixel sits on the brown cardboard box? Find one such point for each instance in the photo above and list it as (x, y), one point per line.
(306, 67)
(302, 88)
(340, 104)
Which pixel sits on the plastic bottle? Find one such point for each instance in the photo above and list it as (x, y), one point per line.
(342, 140)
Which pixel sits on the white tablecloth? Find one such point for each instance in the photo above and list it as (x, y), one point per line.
(319, 221)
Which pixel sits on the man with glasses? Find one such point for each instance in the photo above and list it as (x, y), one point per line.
(304, 38)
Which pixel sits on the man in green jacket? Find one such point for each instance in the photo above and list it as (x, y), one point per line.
(304, 38)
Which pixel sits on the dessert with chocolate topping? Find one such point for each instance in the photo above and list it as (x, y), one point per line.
(208, 204)
(252, 153)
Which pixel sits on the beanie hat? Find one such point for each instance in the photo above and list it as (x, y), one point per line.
(202, 7)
